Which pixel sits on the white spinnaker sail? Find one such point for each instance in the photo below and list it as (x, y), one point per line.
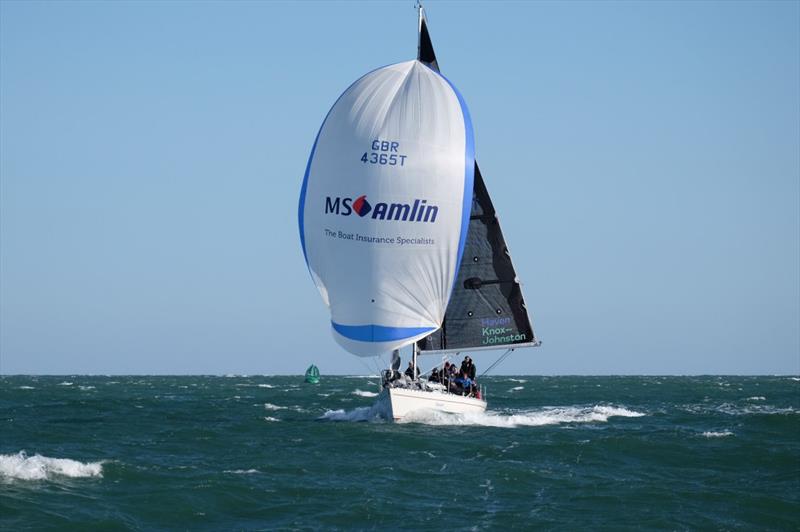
(385, 204)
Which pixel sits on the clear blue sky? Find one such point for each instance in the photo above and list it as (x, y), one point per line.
(644, 158)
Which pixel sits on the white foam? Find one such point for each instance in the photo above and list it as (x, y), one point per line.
(86, 387)
(757, 398)
(38, 467)
(712, 434)
(359, 414)
(516, 388)
(271, 419)
(794, 378)
(531, 418)
(294, 408)
(26, 388)
(375, 413)
(361, 393)
(242, 471)
(521, 381)
(65, 383)
(265, 386)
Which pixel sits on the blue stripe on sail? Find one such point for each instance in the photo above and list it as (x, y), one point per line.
(301, 207)
(469, 173)
(303, 189)
(378, 333)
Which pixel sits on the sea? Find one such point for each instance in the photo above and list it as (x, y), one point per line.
(273, 453)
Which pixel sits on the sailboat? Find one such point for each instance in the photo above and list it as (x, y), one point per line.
(400, 235)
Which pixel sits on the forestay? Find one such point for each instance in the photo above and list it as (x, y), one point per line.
(385, 206)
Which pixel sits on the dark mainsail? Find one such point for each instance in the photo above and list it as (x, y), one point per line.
(486, 309)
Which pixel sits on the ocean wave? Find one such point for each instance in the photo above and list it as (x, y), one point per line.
(521, 381)
(26, 387)
(86, 387)
(516, 388)
(757, 398)
(37, 467)
(731, 409)
(374, 413)
(749, 410)
(294, 408)
(271, 419)
(65, 383)
(361, 393)
(531, 418)
(265, 386)
(242, 471)
(722, 434)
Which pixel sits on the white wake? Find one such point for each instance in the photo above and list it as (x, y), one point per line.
(531, 418)
(376, 412)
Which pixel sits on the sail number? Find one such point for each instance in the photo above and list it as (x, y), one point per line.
(384, 152)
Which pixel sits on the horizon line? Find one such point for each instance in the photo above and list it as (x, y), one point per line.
(232, 375)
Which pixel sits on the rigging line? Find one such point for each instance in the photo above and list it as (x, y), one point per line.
(369, 369)
(378, 360)
(502, 357)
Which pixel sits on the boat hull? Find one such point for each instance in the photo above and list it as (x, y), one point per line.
(399, 402)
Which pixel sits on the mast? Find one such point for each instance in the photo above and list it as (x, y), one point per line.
(425, 54)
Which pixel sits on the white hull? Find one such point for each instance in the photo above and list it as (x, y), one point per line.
(398, 402)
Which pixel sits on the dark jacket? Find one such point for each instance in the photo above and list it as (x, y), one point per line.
(410, 372)
(469, 368)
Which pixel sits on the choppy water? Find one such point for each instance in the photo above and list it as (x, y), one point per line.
(259, 452)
